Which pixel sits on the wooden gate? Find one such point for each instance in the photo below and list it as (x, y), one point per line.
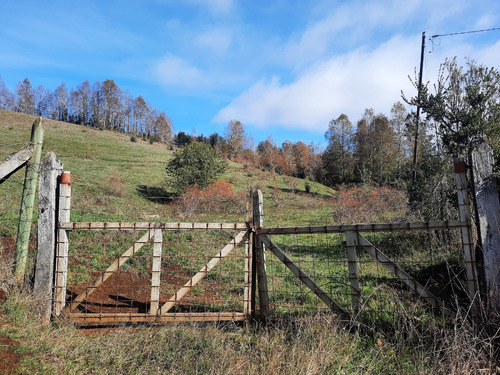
(110, 273)
(452, 267)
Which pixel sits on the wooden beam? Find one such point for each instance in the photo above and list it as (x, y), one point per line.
(50, 169)
(303, 277)
(380, 227)
(464, 211)
(352, 264)
(406, 278)
(111, 318)
(156, 271)
(488, 212)
(12, 163)
(109, 271)
(201, 274)
(63, 214)
(150, 225)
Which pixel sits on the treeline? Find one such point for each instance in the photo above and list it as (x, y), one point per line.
(102, 105)
(376, 151)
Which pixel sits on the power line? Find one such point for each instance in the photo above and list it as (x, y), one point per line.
(467, 32)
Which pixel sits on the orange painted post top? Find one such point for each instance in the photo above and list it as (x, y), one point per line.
(66, 177)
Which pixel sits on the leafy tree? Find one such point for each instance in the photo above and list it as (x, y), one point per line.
(375, 149)
(465, 104)
(182, 139)
(337, 160)
(194, 164)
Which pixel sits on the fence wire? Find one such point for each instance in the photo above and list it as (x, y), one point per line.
(184, 253)
(11, 192)
(432, 258)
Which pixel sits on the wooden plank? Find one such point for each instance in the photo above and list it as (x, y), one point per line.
(304, 277)
(352, 264)
(379, 227)
(110, 318)
(201, 274)
(62, 246)
(406, 278)
(488, 212)
(109, 271)
(156, 272)
(50, 169)
(12, 163)
(466, 232)
(151, 225)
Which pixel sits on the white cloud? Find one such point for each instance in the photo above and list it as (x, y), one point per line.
(346, 25)
(173, 71)
(346, 84)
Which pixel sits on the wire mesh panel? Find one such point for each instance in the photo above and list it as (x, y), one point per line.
(323, 258)
(13, 140)
(431, 259)
(373, 276)
(156, 274)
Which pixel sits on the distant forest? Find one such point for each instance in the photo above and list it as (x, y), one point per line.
(376, 151)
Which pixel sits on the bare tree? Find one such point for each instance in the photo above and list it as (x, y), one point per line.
(25, 97)
(7, 99)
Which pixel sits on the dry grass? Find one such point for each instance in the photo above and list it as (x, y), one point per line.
(314, 345)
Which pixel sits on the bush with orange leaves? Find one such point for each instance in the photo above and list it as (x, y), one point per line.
(216, 197)
(364, 204)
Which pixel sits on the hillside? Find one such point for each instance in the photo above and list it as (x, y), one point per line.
(106, 163)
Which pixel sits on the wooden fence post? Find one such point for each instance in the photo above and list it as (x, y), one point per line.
(258, 222)
(488, 212)
(352, 264)
(28, 201)
(50, 169)
(466, 232)
(249, 288)
(62, 243)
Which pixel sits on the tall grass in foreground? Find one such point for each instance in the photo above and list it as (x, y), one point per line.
(314, 345)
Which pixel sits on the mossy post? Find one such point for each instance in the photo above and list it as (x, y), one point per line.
(28, 201)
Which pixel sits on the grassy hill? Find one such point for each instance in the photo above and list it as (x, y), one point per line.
(109, 164)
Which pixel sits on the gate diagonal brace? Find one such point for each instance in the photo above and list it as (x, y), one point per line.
(406, 278)
(109, 271)
(202, 273)
(305, 278)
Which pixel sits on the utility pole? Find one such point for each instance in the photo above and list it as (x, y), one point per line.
(414, 171)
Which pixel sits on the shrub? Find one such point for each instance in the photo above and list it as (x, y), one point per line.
(133, 139)
(194, 164)
(368, 204)
(216, 197)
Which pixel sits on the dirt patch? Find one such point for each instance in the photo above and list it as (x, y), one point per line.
(8, 358)
(130, 292)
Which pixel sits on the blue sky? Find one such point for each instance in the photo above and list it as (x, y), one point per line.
(283, 68)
